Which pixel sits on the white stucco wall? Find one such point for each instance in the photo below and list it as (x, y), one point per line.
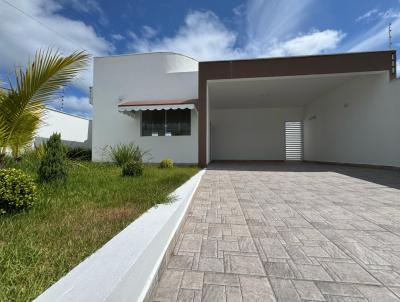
(140, 77)
(356, 123)
(250, 134)
(75, 130)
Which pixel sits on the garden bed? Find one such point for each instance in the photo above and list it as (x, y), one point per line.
(72, 220)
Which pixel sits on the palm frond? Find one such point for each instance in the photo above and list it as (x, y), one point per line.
(22, 107)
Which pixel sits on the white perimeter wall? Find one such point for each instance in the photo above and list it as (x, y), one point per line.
(142, 77)
(356, 123)
(250, 134)
(75, 131)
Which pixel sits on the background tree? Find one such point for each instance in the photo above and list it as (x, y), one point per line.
(22, 106)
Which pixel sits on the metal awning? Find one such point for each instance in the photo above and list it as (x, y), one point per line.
(129, 106)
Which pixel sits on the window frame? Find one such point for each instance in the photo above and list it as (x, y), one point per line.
(166, 125)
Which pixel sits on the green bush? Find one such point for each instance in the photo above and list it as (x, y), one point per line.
(53, 165)
(17, 190)
(166, 164)
(132, 168)
(79, 153)
(124, 153)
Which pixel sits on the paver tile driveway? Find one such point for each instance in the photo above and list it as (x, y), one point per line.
(288, 232)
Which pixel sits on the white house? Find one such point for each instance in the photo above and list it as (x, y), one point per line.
(146, 80)
(341, 108)
(75, 130)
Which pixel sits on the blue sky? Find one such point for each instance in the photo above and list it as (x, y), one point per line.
(204, 30)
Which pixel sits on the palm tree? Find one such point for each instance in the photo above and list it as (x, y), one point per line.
(22, 106)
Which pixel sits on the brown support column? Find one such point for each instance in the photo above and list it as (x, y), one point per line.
(202, 119)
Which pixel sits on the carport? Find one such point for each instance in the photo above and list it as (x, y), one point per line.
(299, 108)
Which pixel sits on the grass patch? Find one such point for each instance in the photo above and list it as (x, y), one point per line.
(72, 220)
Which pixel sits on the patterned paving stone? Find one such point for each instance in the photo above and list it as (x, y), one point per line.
(298, 255)
(256, 289)
(285, 291)
(221, 279)
(363, 254)
(180, 262)
(214, 293)
(246, 265)
(349, 272)
(387, 277)
(279, 270)
(211, 265)
(338, 289)
(233, 294)
(315, 251)
(314, 272)
(187, 295)
(377, 294)
(191, 243)
(288, 232)
(273, 248)
(209, 248)
(225, 245)
(192, 280)
(308, 290)
(246, 245)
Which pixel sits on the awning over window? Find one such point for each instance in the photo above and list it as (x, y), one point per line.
(157, 105)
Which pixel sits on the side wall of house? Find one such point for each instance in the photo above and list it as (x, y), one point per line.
(357, 123)
(250, 134)
(142, 77)
(75, 131)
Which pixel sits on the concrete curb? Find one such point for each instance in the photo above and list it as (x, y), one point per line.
(127, 267)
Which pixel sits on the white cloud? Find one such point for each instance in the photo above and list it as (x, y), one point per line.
(91, 7)
(309, 44)
(275, 19)
(21, 36)
(117, 37)
(368, 15)
(390, 13)
(148, 31)
(239, 10)
(375, 14)
(204, 37)
(73, 104)
(377, 36)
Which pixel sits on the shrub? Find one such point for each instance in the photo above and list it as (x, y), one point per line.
(17, 190)
(132, 168)
(124, 153)
(79, 153)
(166, 164)
(53, 165)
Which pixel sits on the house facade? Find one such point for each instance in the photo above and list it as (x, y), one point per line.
(76, 131)
(341, 108)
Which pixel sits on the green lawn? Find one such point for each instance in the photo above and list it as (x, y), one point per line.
(72, 220)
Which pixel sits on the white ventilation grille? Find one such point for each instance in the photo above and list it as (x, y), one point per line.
(294, 140)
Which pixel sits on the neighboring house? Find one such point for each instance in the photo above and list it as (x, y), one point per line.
(75, 130)
(342, 108)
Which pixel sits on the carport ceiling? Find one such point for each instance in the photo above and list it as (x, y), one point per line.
(274, 92)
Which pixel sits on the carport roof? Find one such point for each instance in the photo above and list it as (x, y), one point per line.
(300, 65)
(286, 66)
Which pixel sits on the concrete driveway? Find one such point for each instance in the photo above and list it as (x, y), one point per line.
(288, 232)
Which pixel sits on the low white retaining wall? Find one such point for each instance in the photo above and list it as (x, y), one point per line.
(125, 267)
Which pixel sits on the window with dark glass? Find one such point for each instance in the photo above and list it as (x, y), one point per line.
(166, 122)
